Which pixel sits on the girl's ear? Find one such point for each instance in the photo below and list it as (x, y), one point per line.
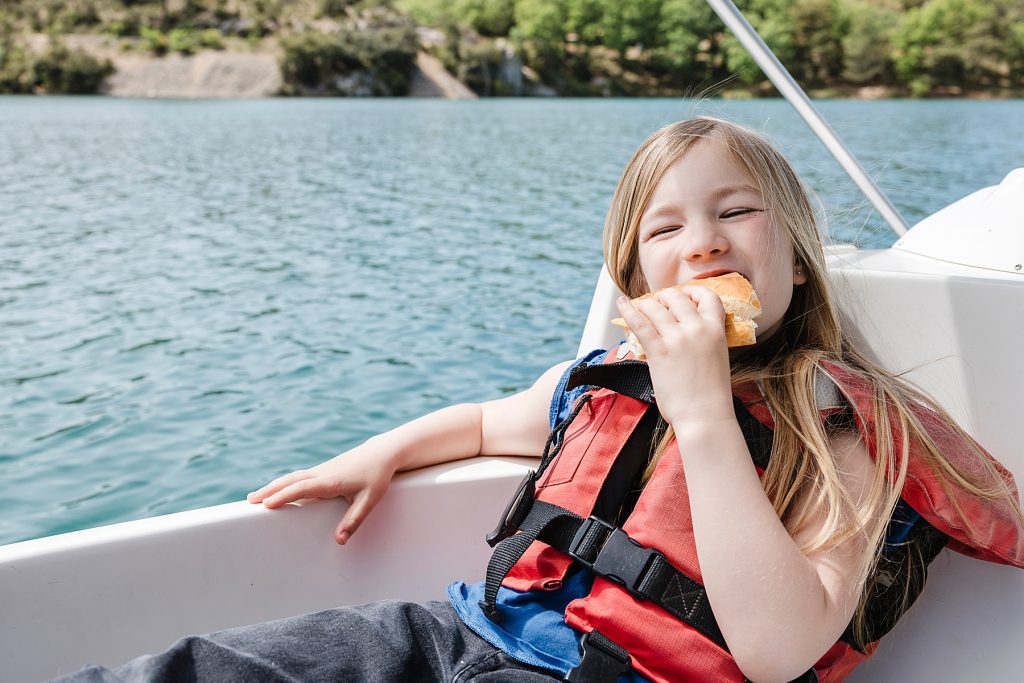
(799, 277)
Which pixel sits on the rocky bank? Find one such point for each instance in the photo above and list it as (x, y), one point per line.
(225, 73)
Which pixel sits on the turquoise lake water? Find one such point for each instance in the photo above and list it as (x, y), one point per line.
(196, 297)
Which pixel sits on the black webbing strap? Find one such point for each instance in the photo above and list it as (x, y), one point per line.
(648, 575)
(521, 502)
(758, 437)
(552, 524)
(809, 676)
(893, 578)
(608, 551)
(601, 660)
(629, 377)
(555, 441)
(545, 522)
(633, 378)
(622, 487)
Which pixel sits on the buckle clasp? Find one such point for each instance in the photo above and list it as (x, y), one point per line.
(516, 510)
(618, 557)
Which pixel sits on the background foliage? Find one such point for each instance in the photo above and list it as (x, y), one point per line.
(577, 47)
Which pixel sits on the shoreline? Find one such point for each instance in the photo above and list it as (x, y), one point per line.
(245, 70)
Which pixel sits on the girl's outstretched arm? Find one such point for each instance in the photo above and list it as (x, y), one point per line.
(515, 425)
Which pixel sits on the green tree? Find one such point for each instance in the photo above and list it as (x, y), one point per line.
(70, 72)
(772, 20)
(638, 24)
(1007, 25)
(585, 19)
(1015, 54)
(16, 76)
(315, 60)
(817, 30)
(488, 17)
(687, 44)
(615, 25)
(867, 45)
(945, 42)
(438, 13)
(541, 20)
(333, 8)
(540, 33)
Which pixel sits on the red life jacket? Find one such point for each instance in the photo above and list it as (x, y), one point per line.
(647, 596)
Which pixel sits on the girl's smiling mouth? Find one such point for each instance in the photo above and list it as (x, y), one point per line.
(716, 273)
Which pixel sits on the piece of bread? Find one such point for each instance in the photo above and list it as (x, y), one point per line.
(739, 300)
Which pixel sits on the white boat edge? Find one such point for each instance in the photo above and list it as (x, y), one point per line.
(107, 594)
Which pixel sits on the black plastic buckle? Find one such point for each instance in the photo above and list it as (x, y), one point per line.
(601, 661)
(583, 533)
(620, 559)
(515, 511)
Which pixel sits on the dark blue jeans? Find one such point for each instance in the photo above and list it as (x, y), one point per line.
(381, 641)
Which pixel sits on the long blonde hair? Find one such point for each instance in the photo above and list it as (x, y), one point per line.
(787, 365)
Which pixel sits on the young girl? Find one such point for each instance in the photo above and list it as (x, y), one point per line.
(760, 513)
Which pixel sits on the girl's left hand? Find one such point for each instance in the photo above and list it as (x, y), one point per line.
(682, 331)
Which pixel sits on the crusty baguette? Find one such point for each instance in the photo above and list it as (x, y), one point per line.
(739, 300)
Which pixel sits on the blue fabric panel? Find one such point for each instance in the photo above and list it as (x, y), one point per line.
(562, 400)
(903, 519)
(533, 630)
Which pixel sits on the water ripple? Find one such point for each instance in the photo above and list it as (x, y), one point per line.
(148, 344)
(76, 430)
(31, 378)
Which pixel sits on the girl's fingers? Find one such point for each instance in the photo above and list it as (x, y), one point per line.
(273, 487)
(307, 488)
(707, 303)
(680, 305)
(636, 320)
(647, 319)
(353, 517)
(661, 318)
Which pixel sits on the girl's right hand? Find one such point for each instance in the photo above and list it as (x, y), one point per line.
(360, 475)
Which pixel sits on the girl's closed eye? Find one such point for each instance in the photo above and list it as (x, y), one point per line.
(666, 230)
(735, 213)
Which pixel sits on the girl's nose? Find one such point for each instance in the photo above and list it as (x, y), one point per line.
(706, 242)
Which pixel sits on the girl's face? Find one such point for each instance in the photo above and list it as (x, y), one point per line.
(707, 217)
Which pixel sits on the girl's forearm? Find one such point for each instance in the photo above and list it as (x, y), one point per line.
(767, 597)
(452, 433)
